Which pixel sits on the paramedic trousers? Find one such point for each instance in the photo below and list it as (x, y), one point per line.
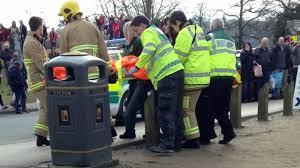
(215, 106)
(169, 98)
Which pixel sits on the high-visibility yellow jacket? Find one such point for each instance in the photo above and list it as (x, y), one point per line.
(83, 36)
(158, 56)
(35, 56)
(222, 51)
(193, 52)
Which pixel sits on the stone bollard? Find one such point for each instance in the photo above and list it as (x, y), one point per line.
(236, 106)
(263, 102)
(151, 122)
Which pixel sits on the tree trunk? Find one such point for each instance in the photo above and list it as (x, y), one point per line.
(148, 12)
(241, 24)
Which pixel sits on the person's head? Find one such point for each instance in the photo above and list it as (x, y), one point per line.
(21, 22)
(13, 24)
(70, 10)
(36, 25)
(128, 34)
(116, 20)
(281, 41)
(177, 20)
(216, 23)
(264, 42)
(15, 56)
(247, 46)
(1, 25)
(139, 24)
(166, 25)
(111, 20)
(6, 45)
(53, 29)
(287, 40)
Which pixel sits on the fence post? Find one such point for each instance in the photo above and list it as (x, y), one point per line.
(288, 97)
(236, 107)
(263, 102)
(151, 122)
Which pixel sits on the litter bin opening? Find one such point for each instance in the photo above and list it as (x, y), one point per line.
(61, 73)
(96, 73)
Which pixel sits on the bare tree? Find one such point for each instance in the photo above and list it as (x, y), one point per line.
(153, 9)
(202, 16)
(250, 9)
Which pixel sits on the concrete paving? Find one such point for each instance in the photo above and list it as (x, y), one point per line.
(25, 154)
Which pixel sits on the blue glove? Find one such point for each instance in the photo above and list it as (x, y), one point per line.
(131, 72)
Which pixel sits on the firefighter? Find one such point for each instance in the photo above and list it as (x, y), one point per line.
(223, 73)
(193, 52)
(83, 36)
(165, 71)
(35, 57)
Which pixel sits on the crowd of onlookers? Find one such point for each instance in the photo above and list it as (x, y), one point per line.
(112, 26)
(12, 63)
(272, 62)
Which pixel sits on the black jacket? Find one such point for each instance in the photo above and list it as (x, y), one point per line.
(17, 75)
(296, 55)
(288, 56)
(23, 32)
(6, 55)
(134, 48)
(247, 58)
(278, 58)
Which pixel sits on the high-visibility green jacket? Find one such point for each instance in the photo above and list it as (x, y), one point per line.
(158, 56)
(193, 51)
(222, 51)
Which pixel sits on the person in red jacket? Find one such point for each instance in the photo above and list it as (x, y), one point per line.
(4, 34)
(116, 29)
(53, 37)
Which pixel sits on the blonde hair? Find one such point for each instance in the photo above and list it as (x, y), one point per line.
(127, 31)
(216, 23)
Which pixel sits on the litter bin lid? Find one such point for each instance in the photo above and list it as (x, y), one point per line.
(75, 53)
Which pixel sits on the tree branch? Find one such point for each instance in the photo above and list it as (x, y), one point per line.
(227, 14)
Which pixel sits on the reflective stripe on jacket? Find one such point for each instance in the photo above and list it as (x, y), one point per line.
(194, 55)
(158, 57)
(222, 50)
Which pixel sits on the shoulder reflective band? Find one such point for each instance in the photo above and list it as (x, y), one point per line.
(201, 48)
(168, 66)
(94, 48)
(223, 46)
(149, 45)
(40, 126)
(195, 75)
(162, 53)
(180, 53)
(149, 52)
(223, 70)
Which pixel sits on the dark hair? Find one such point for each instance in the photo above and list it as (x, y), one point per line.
(35, 22)
(138, 20)
(248, 44)
(180, 16)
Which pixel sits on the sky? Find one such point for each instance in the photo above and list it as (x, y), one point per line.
(48, 9)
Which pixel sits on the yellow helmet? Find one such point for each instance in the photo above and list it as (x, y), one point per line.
(69, 9)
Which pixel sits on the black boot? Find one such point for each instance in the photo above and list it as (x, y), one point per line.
(128, 135)
(191, 144)
(227, 138)
(113, 132)
(40, 141)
